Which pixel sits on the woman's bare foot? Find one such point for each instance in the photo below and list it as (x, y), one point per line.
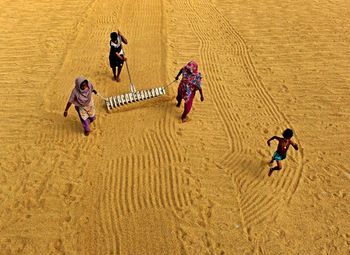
(117, 79)
(86, 133)
(184, 119)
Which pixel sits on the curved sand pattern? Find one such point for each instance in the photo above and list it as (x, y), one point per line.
(144, 183)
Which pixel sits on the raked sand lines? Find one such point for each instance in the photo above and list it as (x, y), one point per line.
(145, 183)
(91, 33)
(31, 64)
(150, 178)
(139, 184)
(146, 47)
(267, 101)
(108, 214)
(208, 110)
(250, 73)
(34, 40)
(229, 47)
(210, 57)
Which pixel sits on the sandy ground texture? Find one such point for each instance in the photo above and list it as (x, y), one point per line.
(143, 182)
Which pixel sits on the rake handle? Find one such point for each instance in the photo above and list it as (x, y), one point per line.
(127, 68)
(102, 97)
(169, 83)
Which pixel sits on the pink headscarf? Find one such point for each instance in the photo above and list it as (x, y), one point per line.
(190, 69)
(191, 80)
(79, 97)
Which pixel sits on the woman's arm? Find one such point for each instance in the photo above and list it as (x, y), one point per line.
(122, 58)
(124, 40)
(201, 92)
(177, 76)
(67, 108)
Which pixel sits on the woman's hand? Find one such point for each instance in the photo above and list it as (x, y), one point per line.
(67, 108)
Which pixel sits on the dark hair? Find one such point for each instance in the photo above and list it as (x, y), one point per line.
(288, 133)
(114, 36)
(83, 83)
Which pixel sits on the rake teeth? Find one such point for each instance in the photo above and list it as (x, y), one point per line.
(142, 95)
(134, 96)
(138, 96)
(117, 101)
(109, 103)
(122, 100)
(109, 107)
(127, 100)
(131, 97)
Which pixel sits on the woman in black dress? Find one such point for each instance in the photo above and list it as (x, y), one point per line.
(116, 54)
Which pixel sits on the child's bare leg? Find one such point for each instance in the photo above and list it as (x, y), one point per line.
(278, 167)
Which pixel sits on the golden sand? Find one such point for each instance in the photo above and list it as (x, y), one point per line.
(143, 182)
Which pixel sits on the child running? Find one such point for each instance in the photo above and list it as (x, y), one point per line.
(282, 148)
(81, 97)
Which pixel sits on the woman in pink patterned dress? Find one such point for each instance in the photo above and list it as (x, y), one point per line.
(190, 83)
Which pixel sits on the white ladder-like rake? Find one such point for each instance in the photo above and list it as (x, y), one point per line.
(134, 96)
